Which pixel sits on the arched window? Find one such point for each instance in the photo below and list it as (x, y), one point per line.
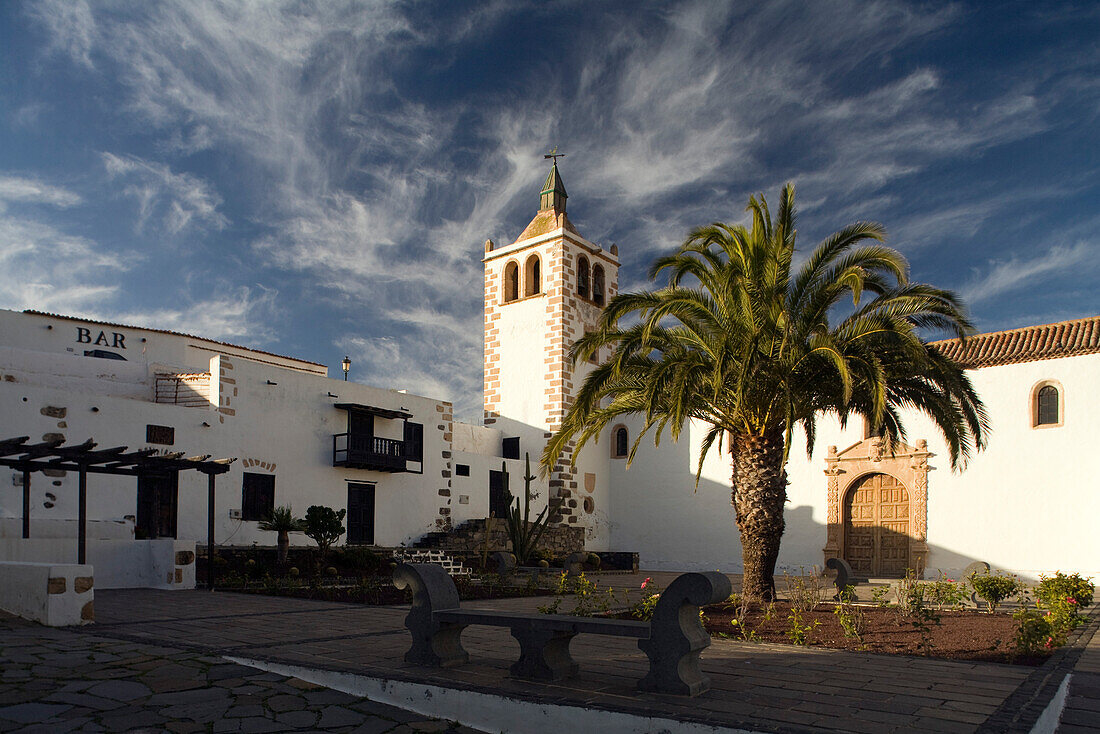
(597, 285)
(511, 282)
(620, 442)
(1046, 406)
(532, 280)
(582, 276)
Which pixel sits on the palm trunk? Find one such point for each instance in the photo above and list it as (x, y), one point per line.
(759, 494)
(284, 547)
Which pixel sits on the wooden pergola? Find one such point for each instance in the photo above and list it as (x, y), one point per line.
(85, 459)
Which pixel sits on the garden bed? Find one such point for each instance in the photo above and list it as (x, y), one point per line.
(960, 635)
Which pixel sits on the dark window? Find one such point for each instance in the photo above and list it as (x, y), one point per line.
(582, 277)
(165, 435)
(498, 495)
(622, 440)
(597, 285)
(414, 441)
(360, 423)
(511, 448)
(1046, 409)
(511, 282)
(532, 284)
(462, 470)
(258, 496)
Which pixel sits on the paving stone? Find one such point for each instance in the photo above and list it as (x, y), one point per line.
(134, 719)
(297, 719)
(285, 702)
(243, 712)
(27, 713)
(430, 726)
(83, 699)
(328, 696)
(184, 727)
(258, 724)
(338, 716)
(375, 725)
(199, 695)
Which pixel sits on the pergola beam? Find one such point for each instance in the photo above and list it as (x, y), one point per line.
(51, 455)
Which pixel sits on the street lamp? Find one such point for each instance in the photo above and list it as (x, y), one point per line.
(346, 364)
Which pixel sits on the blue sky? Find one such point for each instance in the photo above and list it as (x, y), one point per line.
(318, 178)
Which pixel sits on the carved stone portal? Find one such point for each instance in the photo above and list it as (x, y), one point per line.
(849, 469)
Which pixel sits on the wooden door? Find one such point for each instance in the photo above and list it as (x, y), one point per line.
(498, 499)
(157, 499)
(876, 527)
(360, 514)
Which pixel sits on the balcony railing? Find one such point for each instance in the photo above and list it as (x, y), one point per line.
(368, 452)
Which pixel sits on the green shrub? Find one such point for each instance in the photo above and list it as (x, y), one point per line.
(850, 616)
(995, 588)
(945, 592)
(1063, 597)
(1061, 588)
(798, 632)
(323, 526)
(1035, 633)
(293, 571)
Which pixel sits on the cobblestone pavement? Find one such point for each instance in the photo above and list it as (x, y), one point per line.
(56, 680)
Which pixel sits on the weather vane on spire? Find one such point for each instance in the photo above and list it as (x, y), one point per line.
(554, 154)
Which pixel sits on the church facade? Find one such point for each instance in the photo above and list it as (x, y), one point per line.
(402, 467)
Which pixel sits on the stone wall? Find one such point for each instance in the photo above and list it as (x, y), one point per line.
(470, 538)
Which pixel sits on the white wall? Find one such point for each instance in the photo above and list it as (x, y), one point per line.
(1027, 504)
(55, 595)
(284, 428)
(118, 564)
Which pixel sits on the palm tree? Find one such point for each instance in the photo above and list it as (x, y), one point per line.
(741, 341)
(282, 521)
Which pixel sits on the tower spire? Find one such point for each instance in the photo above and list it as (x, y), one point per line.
(553, 194)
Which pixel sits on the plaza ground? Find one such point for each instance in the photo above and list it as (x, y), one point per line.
(158, 660)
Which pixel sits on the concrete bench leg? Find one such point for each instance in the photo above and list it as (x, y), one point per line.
(440, 648)
(677, 636)
(544, 654)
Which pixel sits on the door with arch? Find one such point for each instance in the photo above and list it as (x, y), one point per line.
(876, 527)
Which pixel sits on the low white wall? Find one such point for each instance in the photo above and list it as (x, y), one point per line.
(55, 595)
(12, 527)
(120, 564)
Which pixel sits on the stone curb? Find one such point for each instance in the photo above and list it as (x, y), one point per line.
(1023, 707)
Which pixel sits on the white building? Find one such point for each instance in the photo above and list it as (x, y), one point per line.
(402, 466)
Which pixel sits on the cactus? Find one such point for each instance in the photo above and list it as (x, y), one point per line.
(524, 533)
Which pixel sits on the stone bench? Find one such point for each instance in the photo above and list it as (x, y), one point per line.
(672, 641)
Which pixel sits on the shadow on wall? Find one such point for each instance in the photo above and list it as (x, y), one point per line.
(658, 511)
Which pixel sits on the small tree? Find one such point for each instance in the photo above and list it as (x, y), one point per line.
(282, 521)
(324, 526)
(525, 534)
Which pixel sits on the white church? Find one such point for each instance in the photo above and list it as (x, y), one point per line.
(402, 467)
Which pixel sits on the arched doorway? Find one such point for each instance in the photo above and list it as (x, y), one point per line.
(876, 527)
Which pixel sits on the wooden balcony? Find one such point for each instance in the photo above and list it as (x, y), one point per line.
(368, 452)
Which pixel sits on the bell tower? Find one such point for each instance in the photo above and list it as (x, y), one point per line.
(542, 293)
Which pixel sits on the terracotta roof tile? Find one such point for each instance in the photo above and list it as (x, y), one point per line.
(1046, 341)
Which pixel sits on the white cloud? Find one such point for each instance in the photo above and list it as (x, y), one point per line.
(178, 200)
(33, 191)
(48, 270)
(240, 314)
(1005, 276)
(377, 201)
